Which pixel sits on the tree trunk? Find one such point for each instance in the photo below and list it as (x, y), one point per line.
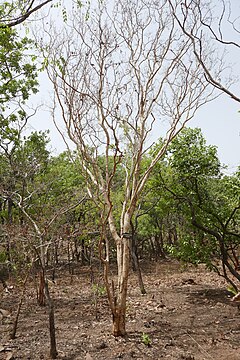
(52, 333)
(15, 323)
(136, 266)
(41, 287)
(119, 321)
(119, 313)
(139, 275)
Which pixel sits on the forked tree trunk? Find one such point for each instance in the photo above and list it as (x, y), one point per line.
(119, 313)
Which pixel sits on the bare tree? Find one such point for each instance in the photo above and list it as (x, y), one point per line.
(204, 24)
(122, 77)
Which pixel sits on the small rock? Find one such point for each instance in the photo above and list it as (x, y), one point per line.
(188, 282)
(102, 345)
(5, 313)
(9, 356)
(88, 357)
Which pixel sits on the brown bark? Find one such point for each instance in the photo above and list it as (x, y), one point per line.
(136, 266)
(53, 345)
(41, 292)
(15, 324)
(119, 322)
(139, 276)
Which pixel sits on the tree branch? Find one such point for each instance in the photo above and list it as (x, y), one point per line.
(23, 17)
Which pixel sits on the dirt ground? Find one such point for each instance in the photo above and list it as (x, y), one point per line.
(186, 314)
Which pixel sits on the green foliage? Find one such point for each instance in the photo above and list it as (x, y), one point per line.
(191, 157)
(6, 8)
(191, 206)
(194, 247)
(99, 290)
(3, 257)
(64, 15)
(31, 156)
(19, 170)
(17, 71)
(63, 177)
(145, 338)
(231, 290)
(18, 80)
(18, 74)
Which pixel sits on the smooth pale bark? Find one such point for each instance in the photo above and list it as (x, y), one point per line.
(123, 263)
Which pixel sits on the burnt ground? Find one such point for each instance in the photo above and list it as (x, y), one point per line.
(186, 314)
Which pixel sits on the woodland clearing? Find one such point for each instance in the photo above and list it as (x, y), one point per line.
(186, 314)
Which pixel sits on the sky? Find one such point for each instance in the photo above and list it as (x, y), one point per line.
(218, 120)
(220, 125)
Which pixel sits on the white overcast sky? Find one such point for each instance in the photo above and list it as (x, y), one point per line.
(219, 120)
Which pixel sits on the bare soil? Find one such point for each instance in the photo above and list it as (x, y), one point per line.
(186, 314)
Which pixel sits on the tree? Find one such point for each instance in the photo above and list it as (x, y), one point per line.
(18, 172)
(208, 202)
(18, 71)
(18, 80)
(116, 75)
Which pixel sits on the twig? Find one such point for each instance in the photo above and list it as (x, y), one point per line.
(204, 351)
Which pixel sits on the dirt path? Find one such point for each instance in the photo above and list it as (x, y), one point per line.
(186, 314)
